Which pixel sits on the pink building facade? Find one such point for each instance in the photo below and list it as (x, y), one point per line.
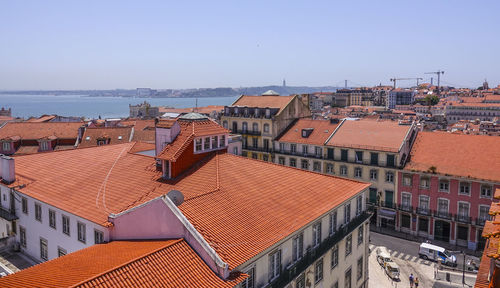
(444, 207)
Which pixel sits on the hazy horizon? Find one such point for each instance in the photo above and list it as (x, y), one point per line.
(106, 45)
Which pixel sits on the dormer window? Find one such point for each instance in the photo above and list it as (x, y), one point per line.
(6, 146)
(222, 140)
(256, 112)
(206, 145)
(215, 141)
(44, 145)
(198, 144)
(268, 112)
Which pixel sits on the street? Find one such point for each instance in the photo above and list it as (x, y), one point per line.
(405, 254)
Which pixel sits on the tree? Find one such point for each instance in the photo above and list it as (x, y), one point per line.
(431, 100)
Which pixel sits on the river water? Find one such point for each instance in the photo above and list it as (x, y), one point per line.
(93, 107)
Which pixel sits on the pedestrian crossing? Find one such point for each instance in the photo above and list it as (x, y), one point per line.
(404, 256)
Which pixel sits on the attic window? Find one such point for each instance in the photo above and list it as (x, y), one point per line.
(120, 137)
(306, 132)
(87, 138)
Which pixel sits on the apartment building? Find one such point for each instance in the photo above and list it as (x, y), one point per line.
(447, 187)
(400, 96)
(471, 111)
(365, 150)
(237, 230)
(260, 119)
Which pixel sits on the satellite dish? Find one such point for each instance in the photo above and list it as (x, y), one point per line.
(176, 197)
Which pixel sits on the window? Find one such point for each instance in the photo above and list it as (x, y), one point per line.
(98, 237)
(486, 191)
(255, 127)
(304, 164)
(81, 232)
(329, 152)
(244, 127)
(318, 151)
(266, 128)
(347, 213)
(443, 207)
(254, 156)
(298, 247)
(249, 282)
(423, 204)
(335, 256)
(24, 204)
(360, 235)
(293, 148)
(301, 281)
(405, 221)
(463, 211)
(6, 146)
(293, 162)
(281, 160)
(222, 141)
(317, 166)
(244, 142)
(265, 157)
(61, 252)
(198, 144)
(44, 253)
(373, 175)
(316, 234)
(389, 177)
(329, 168)
(444, 185)
(405, 201)
(274, 264)
(266, 144)
(52, 218)
(44, 145)
(374, 158)
(318, 271)
(206, 144)
(38, 212)
(464, 188)
(235, 150)
(347, 279)
(215, 141)
(358, 172)
(255, 142)
(360, 268)
(65, 224)
(359, 205)
(424, 182)
(483, 214)
(390, 161)
(304, 149)
(423, 224)
(348, 245)
(343, 154)
(224, 124)
(343, 170)
(359, 156)
(282, 147)
(332, 228)
(22, 236)
(407, 180)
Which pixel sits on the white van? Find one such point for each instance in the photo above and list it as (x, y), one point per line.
(433, 252)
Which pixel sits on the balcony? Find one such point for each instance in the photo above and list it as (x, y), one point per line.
(249, 132)
(404, 207)
(480, 221)
(463, 219)
(300, 154)
(7, 214)
(423, 211)
(443, 215)
(295, 269)
(389, 205)
(258, 149)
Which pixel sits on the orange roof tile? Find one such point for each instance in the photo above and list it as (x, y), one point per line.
(116, 135)
(322, 130)
(475, 156)
(34, 131)
(165, 263)
(238, 215)
(263, 101)
(370, 134)
(44, 118)
(144, 130)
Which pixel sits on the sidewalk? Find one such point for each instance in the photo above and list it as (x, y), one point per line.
(420, 239)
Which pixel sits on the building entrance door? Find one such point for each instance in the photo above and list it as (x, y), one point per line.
(442, 230)
(389, 198)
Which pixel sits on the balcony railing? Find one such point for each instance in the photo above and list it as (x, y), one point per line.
(423, 211)
(404, 207)
(295, 269)
(390, 205)
(249, 132)
(259, 149)
(8, 214)
(300, 154)
(443, 214)
(480, 221)
(463, 219)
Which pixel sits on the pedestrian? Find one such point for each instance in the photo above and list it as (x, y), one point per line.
(411, 280)
(416, 282)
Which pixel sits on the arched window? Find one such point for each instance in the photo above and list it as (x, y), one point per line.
(255, 127)
(266, 128)
(245, 127)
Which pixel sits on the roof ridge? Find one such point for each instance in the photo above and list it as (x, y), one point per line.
(177, 241)
(78, 148)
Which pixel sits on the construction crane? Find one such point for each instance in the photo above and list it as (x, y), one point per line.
(439, 72)
(397, 79)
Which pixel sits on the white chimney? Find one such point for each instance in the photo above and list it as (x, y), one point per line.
(1, 165)
(8, 169)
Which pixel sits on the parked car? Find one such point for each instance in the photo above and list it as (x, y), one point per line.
(392, 269)
(428, 251)
(383, 255)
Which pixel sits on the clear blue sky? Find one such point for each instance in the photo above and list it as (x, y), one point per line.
(188, 44)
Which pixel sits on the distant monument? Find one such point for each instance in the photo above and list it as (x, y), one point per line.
(6, 112)
(144, 111)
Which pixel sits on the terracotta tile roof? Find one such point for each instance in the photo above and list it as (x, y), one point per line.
(190, 130)
(112, 133)
(322, 130)
(263, 101)
(166, 123)
(240, 206)
(370, 134)
(142, 146)
(144, 130)
(25, 150)
(44, 118)
(202, 110)
(166, 263)
(475, 156)
(64, 147)
(35, 131)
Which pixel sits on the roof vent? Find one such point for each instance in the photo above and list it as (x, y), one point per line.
(176, 197)
(87, 138)
(120, 137)
(306, 132)
(334, 120)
